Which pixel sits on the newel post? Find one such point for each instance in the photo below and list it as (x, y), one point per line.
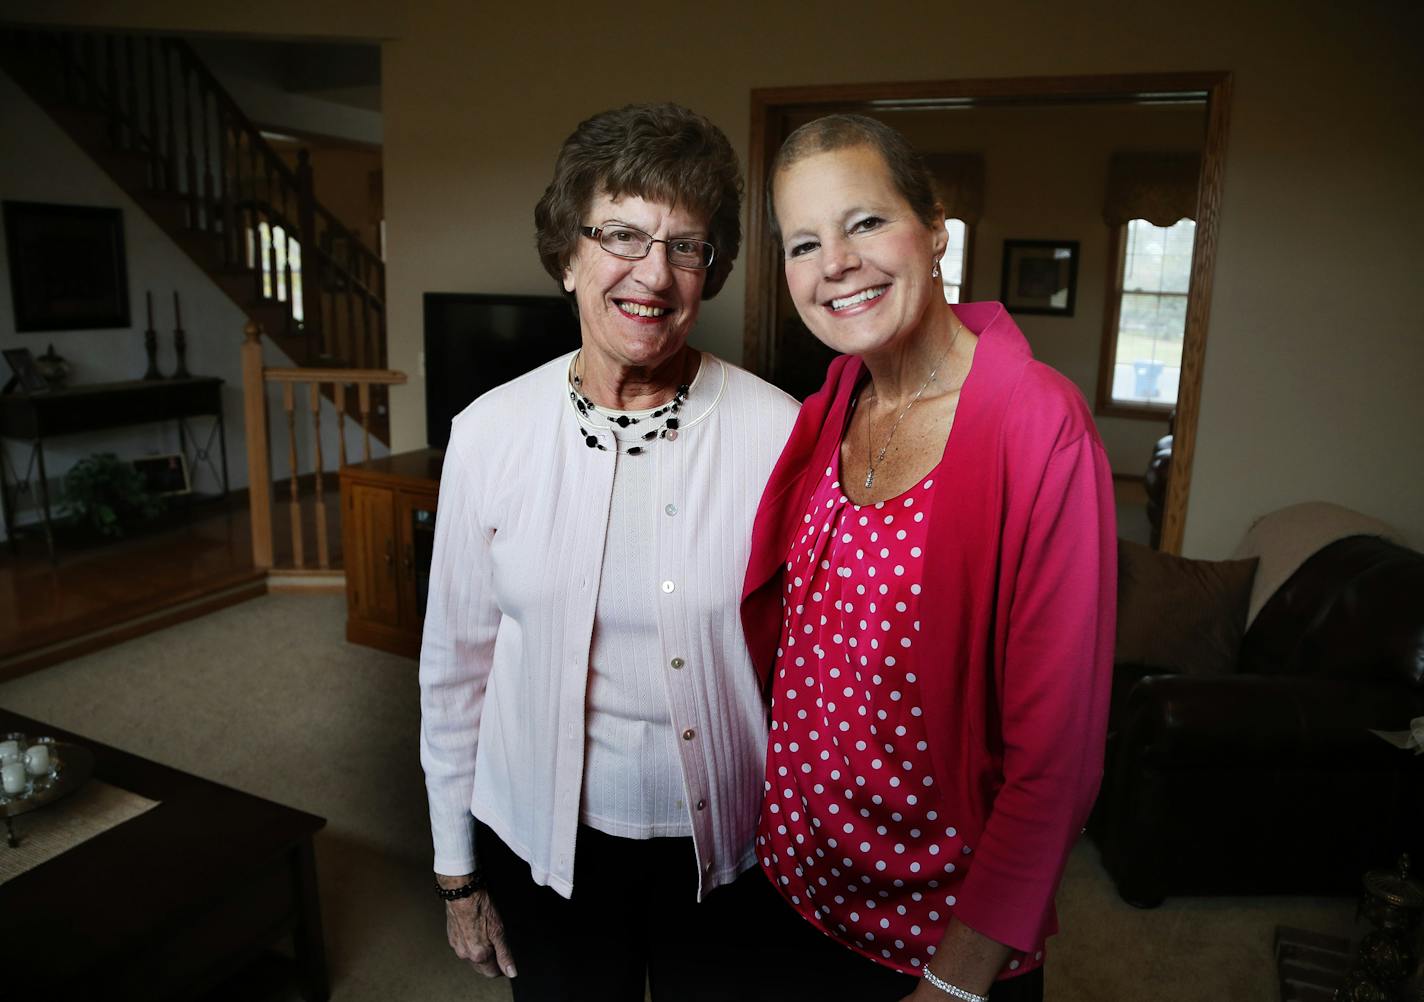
(259, 472)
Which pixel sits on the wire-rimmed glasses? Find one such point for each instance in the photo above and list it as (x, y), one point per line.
(633, 244)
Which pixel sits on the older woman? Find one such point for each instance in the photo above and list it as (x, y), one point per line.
(931, 591)
(592, 730)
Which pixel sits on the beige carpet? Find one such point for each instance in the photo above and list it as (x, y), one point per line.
(268, 697)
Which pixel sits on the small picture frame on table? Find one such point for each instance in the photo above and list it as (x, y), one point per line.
(1040, 277)
(26, 376)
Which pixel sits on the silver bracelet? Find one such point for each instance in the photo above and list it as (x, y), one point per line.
(952, 990)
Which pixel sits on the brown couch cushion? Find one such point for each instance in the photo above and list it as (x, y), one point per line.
(1180, 615)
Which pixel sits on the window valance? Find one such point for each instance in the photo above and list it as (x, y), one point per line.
(1158, 187)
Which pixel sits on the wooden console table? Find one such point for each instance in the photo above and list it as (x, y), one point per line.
(38, 417)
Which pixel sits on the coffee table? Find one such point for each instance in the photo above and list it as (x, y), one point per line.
(168, 904)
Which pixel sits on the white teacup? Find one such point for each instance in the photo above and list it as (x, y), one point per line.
(9, 751)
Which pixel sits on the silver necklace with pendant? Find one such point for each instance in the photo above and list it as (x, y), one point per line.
(871, 464)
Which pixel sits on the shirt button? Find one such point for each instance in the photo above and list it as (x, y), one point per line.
(689, 734)
(677, 662)
(668, 587)
(701, 805)
(671, 509)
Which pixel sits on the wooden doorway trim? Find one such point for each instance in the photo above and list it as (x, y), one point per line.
(771, 109)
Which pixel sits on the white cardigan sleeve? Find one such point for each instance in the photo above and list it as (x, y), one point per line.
(456, 655)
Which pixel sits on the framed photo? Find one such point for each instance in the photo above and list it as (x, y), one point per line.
(1040, 276)
(164, 475)
(67, 266)
(27, 377)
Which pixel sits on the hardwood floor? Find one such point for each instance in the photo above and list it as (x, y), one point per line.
(92, 596)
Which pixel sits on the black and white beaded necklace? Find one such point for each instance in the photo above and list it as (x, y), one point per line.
(587, 409)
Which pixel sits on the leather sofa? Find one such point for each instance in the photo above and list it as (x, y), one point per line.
(1266, 779)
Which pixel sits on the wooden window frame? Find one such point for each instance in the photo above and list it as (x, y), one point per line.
(1105, 405)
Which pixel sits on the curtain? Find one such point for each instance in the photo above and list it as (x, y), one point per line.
(959, 184)
(1158, 187)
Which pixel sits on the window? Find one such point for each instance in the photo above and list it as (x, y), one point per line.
(1146, 318)
(269, 250)
(954, 266)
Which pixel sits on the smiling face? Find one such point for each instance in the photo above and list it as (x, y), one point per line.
(635, 315)
(858, 260)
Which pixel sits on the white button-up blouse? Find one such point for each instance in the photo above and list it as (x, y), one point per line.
(519, 545)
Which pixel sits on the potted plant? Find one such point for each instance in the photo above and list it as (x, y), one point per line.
(107, 496)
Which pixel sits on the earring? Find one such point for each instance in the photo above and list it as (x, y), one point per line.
(934, 273)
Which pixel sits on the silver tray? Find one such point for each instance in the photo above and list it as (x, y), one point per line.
(74, 763)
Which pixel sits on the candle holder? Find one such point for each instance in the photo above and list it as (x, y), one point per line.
(150, 343)
(180, 342)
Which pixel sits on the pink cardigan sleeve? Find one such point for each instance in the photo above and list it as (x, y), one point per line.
(1054, 634)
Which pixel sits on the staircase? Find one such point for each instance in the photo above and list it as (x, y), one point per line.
(149, 112)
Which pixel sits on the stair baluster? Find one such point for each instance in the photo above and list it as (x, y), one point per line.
(155, 146)
(323, 552)
(111, 99)
(225, 183)
(191, 162)
(131, 91)
(209, 224)
(169, 99)
(295, 503)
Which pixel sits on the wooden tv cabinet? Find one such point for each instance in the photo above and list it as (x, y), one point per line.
(387, 531)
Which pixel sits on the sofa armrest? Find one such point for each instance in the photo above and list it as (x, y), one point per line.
(1271, 721)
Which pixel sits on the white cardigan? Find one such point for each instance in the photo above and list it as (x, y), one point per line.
(520, 533)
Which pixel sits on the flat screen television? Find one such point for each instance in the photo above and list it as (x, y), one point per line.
(474, 342)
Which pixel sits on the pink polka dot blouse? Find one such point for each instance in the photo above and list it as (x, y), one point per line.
(853, 831)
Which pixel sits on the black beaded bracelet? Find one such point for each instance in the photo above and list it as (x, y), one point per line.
(475, 883)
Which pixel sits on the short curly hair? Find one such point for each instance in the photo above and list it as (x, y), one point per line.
(660, 152)
(838, 132)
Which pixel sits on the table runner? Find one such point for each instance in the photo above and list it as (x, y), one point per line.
(58, 827)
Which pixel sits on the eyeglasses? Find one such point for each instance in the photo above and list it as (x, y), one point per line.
(632, 243)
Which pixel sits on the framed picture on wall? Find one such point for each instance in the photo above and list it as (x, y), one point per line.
(1040, 276)
(67, 266)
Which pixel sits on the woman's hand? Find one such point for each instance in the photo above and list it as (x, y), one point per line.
(477, 935)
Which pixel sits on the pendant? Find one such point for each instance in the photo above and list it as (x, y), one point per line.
(869, 478)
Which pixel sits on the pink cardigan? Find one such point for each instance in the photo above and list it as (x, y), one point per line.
(1021, 566)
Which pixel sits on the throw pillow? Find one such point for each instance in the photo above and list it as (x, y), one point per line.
(1180, 615)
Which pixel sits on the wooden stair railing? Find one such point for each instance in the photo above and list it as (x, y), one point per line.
(176, 140)
(255, 379)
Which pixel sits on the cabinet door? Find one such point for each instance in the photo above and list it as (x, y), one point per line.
(416, 519)
(372, 588)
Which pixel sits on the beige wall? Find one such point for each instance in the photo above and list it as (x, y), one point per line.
(1314, 346)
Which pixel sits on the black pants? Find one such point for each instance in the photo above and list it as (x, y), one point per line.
(633, 920)
(633, 917)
